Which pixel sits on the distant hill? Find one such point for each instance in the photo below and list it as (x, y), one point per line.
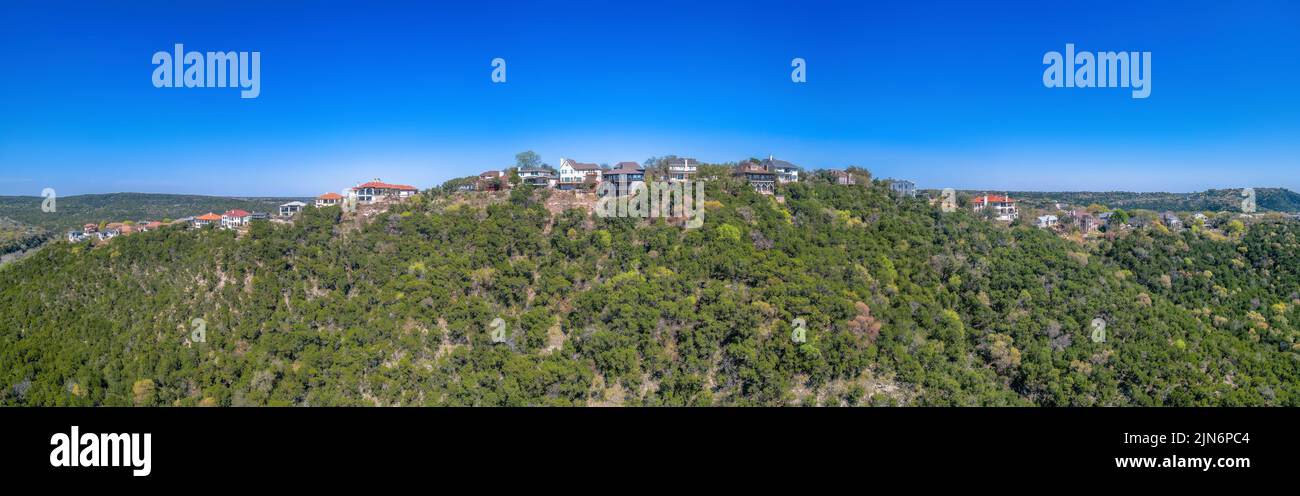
(1215, 200)
(74, 211)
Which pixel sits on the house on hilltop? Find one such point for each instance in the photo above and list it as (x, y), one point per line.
(621, 178)
(903, 187)
(328, 200)
(682, 168)
(206, 219)
(537, 176)
(234, 219)
(1002, 206)
(574, 174)
(291, 208)
(843, 178)
(377, 191)
(784, 172)
(762, 179)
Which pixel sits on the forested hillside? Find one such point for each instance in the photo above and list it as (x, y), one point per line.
(904, 305)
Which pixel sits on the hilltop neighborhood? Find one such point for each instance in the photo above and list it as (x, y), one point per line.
(763, 175)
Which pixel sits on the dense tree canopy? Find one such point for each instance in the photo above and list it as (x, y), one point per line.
(903, 305)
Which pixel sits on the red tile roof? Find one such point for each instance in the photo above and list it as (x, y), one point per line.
(979, 200)
(331, 196)
(382, 185)
(209, 216)
(235, 213)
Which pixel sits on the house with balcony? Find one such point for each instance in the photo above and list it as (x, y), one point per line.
(537, 176)
(762, 179)
(903, 187)
(682, 168)
(292, 208)
(235, 219)
(785, 172)
(1002, 206)
(621, 178)
(378, 191)
(574, 174)
(492, 181)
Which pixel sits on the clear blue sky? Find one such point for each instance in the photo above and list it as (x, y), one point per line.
(948, 94)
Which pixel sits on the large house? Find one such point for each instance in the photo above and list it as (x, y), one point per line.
(762, 179)
(328, 200)
(1088, 223)
(785, 172)
(206, 219)
(234, 219)
(492, 181)
(291, 208)
(536, 176)
(375, 191)
(1171, 220)
(682, 169)
(1003, 207)
(574, 173)
(903, 187)
(622, 177)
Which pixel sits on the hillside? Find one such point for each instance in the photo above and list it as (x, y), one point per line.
(74, 211)
(903, 306)
(1215, 200)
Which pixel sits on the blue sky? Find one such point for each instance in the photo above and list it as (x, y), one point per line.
(948, 94)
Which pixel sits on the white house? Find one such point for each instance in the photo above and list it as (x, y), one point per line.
(785, 172)
(234, 219)
(1004, 207)
(682, 169)
(903, 187)
(572, 172)
(1048, 221)
(291, 208)
(328, 200)
(543, 178)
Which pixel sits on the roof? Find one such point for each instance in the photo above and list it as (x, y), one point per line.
(625, 168)
(752, 168)
(775, 163)
(294, 204)
(383, 185)
(490, 173)
(330, 196)
(581, 166)
(235, 213)
(979, 200)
